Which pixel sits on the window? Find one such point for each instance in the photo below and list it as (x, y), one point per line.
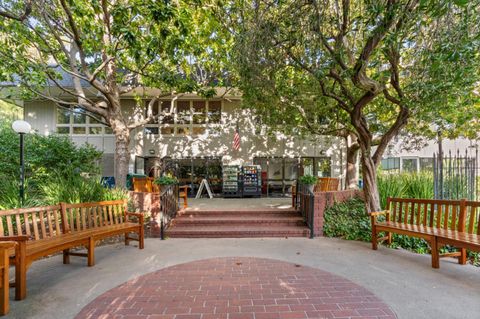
(426, 164)
(391, 163)
(199, 112)
(409, 164)
(184, 117)
(77, 122)
(214, 112)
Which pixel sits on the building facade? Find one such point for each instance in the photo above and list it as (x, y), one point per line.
(193, 137)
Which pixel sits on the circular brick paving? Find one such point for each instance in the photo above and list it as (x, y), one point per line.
(237, 288)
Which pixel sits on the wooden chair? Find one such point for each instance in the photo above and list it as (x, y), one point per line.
(5, 249)
(183, 194)
(154, 187)
(142, 184)
(326, 184)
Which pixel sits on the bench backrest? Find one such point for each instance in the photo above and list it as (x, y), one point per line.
(460, 215)
(36, 222)
(94, 215)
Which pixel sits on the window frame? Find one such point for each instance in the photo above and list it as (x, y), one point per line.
(190, 125)
(71, 125)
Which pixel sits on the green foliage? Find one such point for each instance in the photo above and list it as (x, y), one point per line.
(347, 220)
(407, 185)
(56, 171)
(166, 180)
(44, 154)
(308, 179)
(71, 188)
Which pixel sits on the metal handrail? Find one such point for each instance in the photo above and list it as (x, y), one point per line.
(305, 202)
(168, 206)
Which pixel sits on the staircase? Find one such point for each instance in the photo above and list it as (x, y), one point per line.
(238, 223)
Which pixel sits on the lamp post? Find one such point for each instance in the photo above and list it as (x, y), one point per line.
(22, 128)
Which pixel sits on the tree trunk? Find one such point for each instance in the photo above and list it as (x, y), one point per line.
(122, 158)
(370, 187)
(351, 176)
(122, 152)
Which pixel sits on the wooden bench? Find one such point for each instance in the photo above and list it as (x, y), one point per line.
(439, 222)
(5, 247)
(42, 231)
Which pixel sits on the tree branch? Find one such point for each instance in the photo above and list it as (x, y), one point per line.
(21, 18)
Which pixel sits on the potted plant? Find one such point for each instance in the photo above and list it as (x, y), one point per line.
(165, 181)
(309, 181)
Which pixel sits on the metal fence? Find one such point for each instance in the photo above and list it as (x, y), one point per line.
(455, 176)
(305, 202)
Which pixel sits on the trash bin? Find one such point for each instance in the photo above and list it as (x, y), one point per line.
(108, 181)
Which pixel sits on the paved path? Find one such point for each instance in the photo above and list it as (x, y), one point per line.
(403, 280)
(238, 288)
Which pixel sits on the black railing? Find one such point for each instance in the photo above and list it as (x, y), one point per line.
(168, 206)
(305, 202)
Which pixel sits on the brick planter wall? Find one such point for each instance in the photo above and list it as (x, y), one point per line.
(324, 200)
(150, 203)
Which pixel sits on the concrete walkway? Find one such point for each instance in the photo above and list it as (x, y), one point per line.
(403, 280)
(239, 203)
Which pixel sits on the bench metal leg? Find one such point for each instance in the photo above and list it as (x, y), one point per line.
(66, 256)
(91, 252)
(435, 254)
(462, 259)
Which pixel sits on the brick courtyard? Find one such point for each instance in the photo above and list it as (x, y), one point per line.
(237, 288)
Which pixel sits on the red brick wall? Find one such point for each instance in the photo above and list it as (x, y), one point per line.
(148, 202)
(323, 200)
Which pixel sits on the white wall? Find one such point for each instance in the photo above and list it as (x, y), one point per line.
(217, 141)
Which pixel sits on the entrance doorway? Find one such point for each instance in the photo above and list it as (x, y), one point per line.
(279, 174)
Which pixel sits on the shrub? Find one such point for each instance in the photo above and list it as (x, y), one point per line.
(408, 185)
(44, 155)
(347, 220)
(308, 180)
(74, 188)
(166, 180)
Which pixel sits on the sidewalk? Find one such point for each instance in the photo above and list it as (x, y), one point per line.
(403, 280)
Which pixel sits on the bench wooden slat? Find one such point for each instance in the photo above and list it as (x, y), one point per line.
(84, 220)
(9, 225)
(446, 216)
(110, 219)
(57, 221)
(42, 225)
(405, 216)
(453, 223)
(26, 221)
(2, 233)
(89, 216)
(439, 215)
(425, 213)
(107, 216)
(18, 225)
(35, 226)
(412, 213)
(50, 227)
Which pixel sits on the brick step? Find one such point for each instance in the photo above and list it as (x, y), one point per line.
(236, 220)
(236, 231)
(256, 213)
